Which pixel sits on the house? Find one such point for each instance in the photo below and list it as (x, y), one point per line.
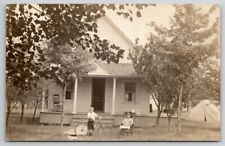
(111, 89)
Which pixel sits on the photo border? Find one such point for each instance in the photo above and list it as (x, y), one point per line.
(2, 73)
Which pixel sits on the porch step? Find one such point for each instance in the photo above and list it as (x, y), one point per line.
(106, 120)
(84, 116)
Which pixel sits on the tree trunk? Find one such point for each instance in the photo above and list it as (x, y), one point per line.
(7, 118)
(35, 109)
(188, 102)
(158, 115)
(8, 113)
(22, 111)
(179, 108)
(10, 108)
(169, 121)
(62, 114)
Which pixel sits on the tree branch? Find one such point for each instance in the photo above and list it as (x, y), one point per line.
(154, 99)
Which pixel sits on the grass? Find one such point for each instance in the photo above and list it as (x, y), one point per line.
(32, 131)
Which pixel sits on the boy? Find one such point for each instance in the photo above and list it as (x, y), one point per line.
(92, 116)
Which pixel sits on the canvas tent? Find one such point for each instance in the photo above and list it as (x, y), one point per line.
(204, 111)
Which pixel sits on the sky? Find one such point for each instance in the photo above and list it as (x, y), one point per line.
(160, 14)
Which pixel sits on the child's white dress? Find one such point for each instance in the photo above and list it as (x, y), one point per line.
(126, 124)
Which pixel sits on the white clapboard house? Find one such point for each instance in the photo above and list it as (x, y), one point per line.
(112, 89)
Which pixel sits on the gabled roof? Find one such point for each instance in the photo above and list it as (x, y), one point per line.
(119, 70)
(99, 71)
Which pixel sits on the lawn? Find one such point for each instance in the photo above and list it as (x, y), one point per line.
(32, 131)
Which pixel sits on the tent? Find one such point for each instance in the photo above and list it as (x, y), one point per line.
(204, 111)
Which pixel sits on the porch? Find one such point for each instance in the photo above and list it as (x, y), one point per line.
(106, 95)
(112, 90)
(143, 120)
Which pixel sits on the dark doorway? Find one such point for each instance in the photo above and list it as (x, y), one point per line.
(98, 94)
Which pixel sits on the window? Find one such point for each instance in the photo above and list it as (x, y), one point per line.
(69, 90)
(57, 106)
(46, 99)
(130, 92)
(68, 95)
(56, 99)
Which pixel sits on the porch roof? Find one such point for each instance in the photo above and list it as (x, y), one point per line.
(121, 69)
(117, 70)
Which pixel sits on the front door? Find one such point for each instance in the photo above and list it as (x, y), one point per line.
(98, 94)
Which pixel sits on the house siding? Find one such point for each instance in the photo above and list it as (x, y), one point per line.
(84, 92)
(105, 27)
(139, 105)
(54, 89)
(84, 95)
(108, 95)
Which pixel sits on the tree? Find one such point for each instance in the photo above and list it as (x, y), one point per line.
(13, 97)
(153, 64)
(69, 63)
(206, 80)
(190, 40)
(170, 111)
(23, 53)
(29, 27)
(36, 94)
(59, 24)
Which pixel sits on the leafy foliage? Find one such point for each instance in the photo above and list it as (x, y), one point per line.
(45, 40)
(173, 53)
(158, 72)
(23, 53)
(29, 27)
(66, 62)
(206, 81)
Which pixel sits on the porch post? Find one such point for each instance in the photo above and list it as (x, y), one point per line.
(43, 101)
(114, 96)
(75, 96)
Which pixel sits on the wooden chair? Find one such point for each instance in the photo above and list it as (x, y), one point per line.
(127, 131)
(130, 129)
